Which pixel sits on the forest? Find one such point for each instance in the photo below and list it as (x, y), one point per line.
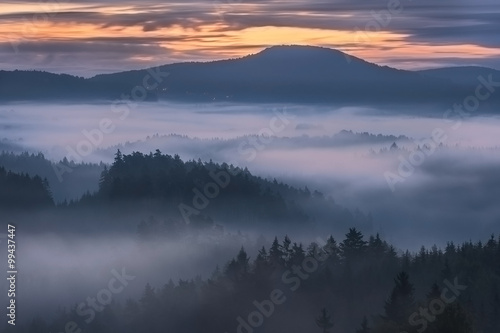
(184, 191)
(21, 191)
(231, 166)
(358, 284)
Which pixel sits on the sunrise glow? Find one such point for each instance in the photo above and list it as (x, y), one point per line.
(156, 33)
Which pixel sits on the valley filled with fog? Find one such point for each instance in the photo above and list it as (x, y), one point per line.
(415, 180)
(346, 153)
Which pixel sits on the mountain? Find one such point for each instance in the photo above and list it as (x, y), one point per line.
(467, 75)
(277, 74)
(288, 74)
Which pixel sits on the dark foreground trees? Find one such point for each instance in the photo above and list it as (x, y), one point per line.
(286, 289)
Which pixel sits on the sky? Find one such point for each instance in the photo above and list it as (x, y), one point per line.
(89, 37)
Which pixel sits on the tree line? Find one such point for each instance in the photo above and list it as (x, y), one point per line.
(22, 191)
(357, 285)
(211, 191)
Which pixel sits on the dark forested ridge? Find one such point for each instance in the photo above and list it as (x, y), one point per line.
(180, 192)
(357, 285)
(196, 189)
(21, 191)
(68, 180)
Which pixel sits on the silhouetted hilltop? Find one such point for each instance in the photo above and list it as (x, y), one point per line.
(302, 74)
(289, 74)
(22, 192)
(225, 193)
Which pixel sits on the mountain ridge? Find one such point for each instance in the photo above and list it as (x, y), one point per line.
(284, 73)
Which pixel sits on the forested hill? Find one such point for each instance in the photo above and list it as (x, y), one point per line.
(222, 192)
(22, 192)
(68, 180)
(357, 285)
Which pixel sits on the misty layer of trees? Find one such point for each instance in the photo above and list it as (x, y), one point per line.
(171, 181)
(207, 190)
(21, 191)
(199, 146)
(356, 285)
(68, 180)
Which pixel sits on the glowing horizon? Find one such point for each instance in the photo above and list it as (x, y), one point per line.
(90, 38)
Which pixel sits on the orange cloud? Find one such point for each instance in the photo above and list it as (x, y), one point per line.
(216, 39)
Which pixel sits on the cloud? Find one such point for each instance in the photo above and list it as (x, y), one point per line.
(207, 30)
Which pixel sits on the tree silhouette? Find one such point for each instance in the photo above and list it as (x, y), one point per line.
(454, 319)
(324, 321)
(212, 305)
(21, 191)
(353, 245)
(401, 302)
(364, 326)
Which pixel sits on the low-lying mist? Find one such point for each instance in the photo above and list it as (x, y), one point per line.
(452, 185)
(62, 270)
(423, 180)
(52, 128)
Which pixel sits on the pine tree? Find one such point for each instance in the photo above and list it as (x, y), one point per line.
(435, 292)
(401, 302)
(238, 268)
(324, 321)
(149, 301)
(332, 250)
(261, 264)
(297, 254)
(286, 250)
(103, 179)
(275, 254)
(353, 246)
(118, 158)
(242, 259)
(376, 246)
(364, 326)
(454, 319)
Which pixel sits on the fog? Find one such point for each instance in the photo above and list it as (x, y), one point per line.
(64, 269)
(50, 128)
(450, 194)
(316, 146)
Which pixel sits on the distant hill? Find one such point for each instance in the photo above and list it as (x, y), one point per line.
(467, 75)
(296, 74)
(218, 148)
(200, 192)
(290, 74)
